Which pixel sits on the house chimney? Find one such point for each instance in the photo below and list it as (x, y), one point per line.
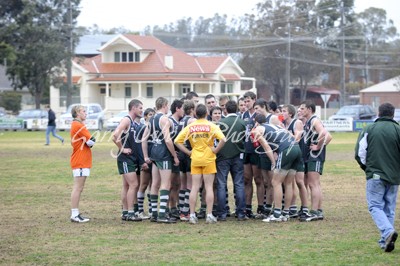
(169, 61)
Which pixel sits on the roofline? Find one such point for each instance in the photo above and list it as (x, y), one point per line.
(229, 58)
(124, 38)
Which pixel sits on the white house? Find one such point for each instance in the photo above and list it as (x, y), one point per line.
(144, 68)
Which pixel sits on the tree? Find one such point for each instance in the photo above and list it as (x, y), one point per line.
(282, 24)
(39, 33)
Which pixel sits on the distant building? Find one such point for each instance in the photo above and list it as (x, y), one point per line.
(386, 91)
(143, 67)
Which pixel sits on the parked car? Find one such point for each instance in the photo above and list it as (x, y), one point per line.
(94, 118)
(355, 112)
(34, 119)
(396, 115)
(113, 122)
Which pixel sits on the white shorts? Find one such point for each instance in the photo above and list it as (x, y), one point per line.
(81, 172)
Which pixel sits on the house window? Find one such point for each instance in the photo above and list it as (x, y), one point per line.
(103, 89)
(126, 57)
(117, 57)
(226, 87)
(149, 90)
(184, 88)
(128, 91)
(75, 91)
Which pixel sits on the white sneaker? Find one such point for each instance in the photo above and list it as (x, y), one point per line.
(79, 219)
(273, 219)
(193, 220)
(211, 219)
(285, 218)
(143, 216)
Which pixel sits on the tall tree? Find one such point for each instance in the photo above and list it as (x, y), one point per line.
(39, 32)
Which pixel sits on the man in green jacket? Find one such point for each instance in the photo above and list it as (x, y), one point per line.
(378, 154)
(230, 160)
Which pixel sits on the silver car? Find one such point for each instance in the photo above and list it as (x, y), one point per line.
(355, 112)
(94, 119)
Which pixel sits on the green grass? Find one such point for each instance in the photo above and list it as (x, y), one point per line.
(35, 187)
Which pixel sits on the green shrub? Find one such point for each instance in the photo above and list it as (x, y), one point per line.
(11, 101)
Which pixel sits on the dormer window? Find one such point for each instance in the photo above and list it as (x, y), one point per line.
(126, 57)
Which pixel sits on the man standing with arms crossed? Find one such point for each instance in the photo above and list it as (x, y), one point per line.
(378, 154)
(316, 137)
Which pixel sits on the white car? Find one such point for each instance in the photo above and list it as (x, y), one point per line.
(113, 122)
(34, 119)
(94, 118)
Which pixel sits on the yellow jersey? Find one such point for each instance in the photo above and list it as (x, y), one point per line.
(201, 135)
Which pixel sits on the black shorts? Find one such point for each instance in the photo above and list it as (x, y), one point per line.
(251, 158)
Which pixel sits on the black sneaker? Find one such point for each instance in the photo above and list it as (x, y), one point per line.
(302, 214)
(390, 241)
(320, 215)
(309, 217)
(293, 214)
(228, 211)
(123, 216)
(153, 219)
(79, 219)
(267, 212)
(174, 214)
(201, 214)
(250, 214)
(166, 220)
(133, 218)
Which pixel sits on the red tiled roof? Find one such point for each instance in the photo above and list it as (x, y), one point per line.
(75, 79)
(211, 64)
(154, 63)
(150, 78)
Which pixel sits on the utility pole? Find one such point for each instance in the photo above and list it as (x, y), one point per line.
(287, 89)
(342, 69)
(366, 62)
(69, 52)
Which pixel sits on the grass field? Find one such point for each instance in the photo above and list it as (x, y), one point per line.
(35, 187)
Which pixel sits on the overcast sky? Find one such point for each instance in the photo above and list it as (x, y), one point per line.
(135, 15)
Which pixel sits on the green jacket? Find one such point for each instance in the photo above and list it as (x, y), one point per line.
(378, 150)
(234, 129)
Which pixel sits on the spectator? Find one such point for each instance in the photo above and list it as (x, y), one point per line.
(51, 126)
(378, 154)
